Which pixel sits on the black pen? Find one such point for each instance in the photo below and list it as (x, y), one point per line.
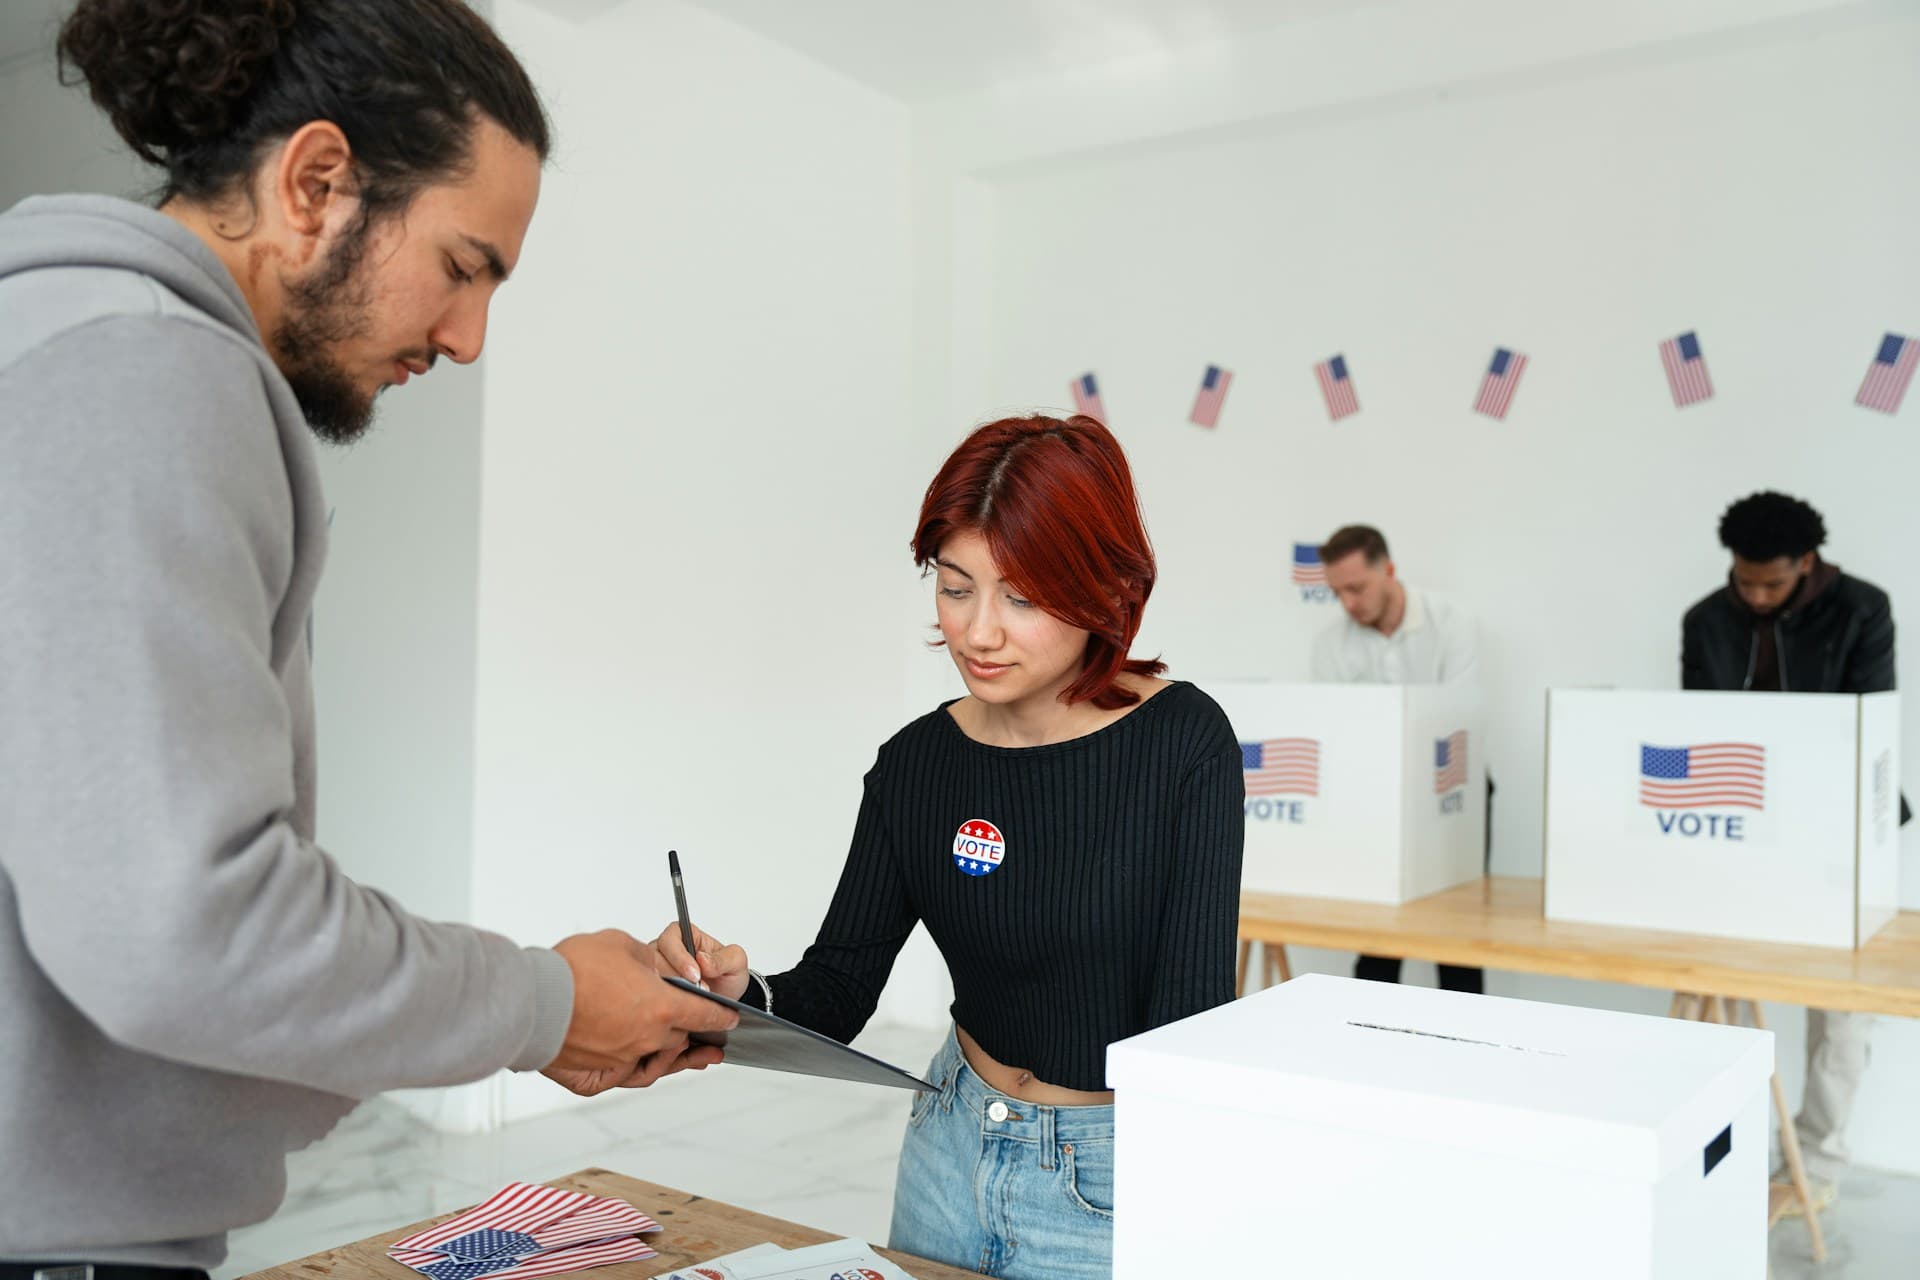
(680, 905)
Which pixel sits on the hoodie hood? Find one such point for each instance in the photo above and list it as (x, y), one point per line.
(104, 232)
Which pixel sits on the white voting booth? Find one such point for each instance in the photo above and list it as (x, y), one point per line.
(1770, 817)
(1328, 1127)
(1373, 792)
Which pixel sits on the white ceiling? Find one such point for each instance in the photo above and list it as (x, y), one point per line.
(921, 49)
(28, 27)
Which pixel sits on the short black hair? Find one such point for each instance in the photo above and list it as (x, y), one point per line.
(203, 88)
(1767, 525)
(1348, 539)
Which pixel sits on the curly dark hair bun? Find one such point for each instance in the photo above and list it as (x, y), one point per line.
(172, 74)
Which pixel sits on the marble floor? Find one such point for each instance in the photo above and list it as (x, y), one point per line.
(814, 1151)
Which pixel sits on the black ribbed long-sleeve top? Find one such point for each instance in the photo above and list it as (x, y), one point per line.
(1081, 892)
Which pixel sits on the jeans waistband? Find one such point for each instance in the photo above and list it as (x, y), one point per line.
(961, 1088)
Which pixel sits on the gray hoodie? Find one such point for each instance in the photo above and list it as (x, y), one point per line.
(189, 987)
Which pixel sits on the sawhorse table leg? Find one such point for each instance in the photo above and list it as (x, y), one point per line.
(1273, 958)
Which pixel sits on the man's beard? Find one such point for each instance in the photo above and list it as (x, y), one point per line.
(323, 311)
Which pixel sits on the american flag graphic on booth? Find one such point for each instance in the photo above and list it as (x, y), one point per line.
(1281, 767)
(1086, 398)
(1213, 394)
(1336, 385)
(1686, 370)
(1496, 389)
(1307, 569)
(1710, 775)
(1450, 763)
(1889, 373)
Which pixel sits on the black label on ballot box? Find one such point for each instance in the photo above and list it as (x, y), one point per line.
(765, 1040)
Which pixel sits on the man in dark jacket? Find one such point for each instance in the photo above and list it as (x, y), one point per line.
(1787, 621)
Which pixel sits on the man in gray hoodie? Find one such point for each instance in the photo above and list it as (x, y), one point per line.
(189, 987)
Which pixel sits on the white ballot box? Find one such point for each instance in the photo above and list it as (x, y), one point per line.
(1767, 816)
(1375, 792)
(1329, 1127)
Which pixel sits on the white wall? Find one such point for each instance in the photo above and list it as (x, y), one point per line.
(394, 646)
(52, 139)
(1619, 191)
(694, 581)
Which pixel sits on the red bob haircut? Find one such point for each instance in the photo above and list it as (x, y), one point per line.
(1054, 501)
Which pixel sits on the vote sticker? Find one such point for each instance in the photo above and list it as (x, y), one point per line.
(979, 847)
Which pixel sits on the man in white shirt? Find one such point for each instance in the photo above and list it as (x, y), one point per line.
(1393, 634)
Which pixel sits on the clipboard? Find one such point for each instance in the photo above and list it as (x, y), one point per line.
(772, 1043)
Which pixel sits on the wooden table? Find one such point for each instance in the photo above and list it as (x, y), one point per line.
(1500, 923)
(695, 1229)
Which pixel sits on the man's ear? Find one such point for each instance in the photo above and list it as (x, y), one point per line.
(313, 183)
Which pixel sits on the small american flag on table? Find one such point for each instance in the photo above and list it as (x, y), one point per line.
(525, 1231)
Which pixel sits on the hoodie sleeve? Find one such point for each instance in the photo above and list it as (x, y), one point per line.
(146, 746)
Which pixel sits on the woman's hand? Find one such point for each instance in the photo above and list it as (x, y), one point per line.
(722, 969)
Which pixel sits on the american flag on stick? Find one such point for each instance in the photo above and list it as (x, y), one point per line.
(1336, 385)
(1889, 373)
(1086, 398)
(1686, 370)
(1496, 389)
(1212, 396)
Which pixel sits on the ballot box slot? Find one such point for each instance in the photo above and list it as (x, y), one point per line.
(1453, 1039)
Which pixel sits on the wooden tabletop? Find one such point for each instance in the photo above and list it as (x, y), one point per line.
(1499, 923)
(695, 1229)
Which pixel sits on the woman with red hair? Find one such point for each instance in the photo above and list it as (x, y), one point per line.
(1070, 832)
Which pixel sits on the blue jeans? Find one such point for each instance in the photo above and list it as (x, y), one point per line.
(1026, 1196)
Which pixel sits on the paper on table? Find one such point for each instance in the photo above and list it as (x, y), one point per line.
(834, 1260)
(724, 1267)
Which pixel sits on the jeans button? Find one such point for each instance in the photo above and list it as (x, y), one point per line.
(997, 1111)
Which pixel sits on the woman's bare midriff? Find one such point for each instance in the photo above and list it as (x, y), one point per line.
(1016, 1083)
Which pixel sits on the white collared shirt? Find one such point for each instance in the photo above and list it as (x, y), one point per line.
(1435, 643)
